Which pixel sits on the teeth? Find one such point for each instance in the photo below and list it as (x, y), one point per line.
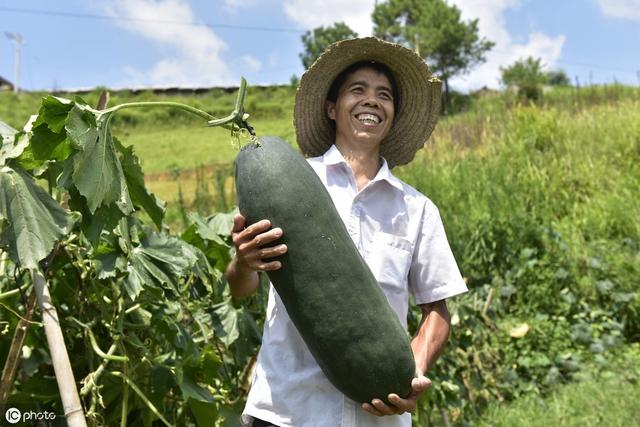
(368, 118)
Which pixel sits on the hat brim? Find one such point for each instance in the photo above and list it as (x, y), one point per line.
(418, 93)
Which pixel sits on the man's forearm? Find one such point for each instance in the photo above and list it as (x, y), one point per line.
(242, 281)
(432, 335)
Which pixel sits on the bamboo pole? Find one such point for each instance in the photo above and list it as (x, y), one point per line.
(73, 411)
(13, 358)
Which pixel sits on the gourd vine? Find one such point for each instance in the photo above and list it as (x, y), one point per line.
(140, 316)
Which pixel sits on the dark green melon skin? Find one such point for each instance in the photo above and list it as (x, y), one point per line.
(329, 292)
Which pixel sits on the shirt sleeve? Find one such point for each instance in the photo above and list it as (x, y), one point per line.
(434, 273)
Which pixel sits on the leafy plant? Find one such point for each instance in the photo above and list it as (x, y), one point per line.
(436, 31)
(317, 40)
(527, 75)
(147, 313)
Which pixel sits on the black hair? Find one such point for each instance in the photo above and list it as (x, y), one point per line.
(378, 66)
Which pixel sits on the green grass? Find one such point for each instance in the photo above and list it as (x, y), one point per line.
(608, 399)
(162, 148)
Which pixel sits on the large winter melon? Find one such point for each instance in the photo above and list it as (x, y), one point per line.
(328, 290)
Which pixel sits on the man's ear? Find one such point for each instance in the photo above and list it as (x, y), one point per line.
(330, 108)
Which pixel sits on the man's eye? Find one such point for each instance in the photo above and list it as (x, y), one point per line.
(385, 95)
(356, 89)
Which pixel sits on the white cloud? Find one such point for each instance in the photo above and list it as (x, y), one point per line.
(492, 26)
(622, 9)
(192, 52)
(310, 14)
(253, 64)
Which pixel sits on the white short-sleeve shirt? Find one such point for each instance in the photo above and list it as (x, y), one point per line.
(400, 235)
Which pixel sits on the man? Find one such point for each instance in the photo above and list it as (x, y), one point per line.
(362, 108)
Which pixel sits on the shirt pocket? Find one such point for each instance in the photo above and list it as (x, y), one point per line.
(389, 258)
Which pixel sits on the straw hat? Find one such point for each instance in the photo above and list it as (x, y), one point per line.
(418, 95)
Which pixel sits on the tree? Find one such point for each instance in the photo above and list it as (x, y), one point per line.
(527, 75)
(317, 40)
(294, 81)
(434, 30)
(558, 78)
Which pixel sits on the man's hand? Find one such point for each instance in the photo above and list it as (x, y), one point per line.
(399, 405)
(242, 271)
(249, 241)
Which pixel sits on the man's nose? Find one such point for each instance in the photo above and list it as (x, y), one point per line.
(371, 100)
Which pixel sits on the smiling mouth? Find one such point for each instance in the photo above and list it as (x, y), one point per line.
(368, 119)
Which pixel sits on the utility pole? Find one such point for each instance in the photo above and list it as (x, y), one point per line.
(18, 40)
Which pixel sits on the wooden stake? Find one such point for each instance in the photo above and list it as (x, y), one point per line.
(13, 358)
(73, 411)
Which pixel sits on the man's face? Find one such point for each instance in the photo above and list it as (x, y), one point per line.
(363, 111)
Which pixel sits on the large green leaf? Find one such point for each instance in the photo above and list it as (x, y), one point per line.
(161, 379)
(159, 260)
(105, 218)
(97, 172)
(106, 265)
(207, 235)
(192, 390)
(7, 136)
(108, 261)
(170, 251)
(54, 112)
(48, 145)
(204, 229)
(234, 327)
(222, 223)
(135, 183)
(205, 413)
(33, 220)
(7, 132)
(230, 416)
(203, 270)
(210, 362)
(137, 279)
(225, 322)
(81, 126)
(13, 143)
(249, 336)
(43, 140)
(199, 399)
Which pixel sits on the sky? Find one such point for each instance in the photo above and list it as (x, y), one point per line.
(72, 44)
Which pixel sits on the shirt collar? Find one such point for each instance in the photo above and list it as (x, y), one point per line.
(333, 157)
